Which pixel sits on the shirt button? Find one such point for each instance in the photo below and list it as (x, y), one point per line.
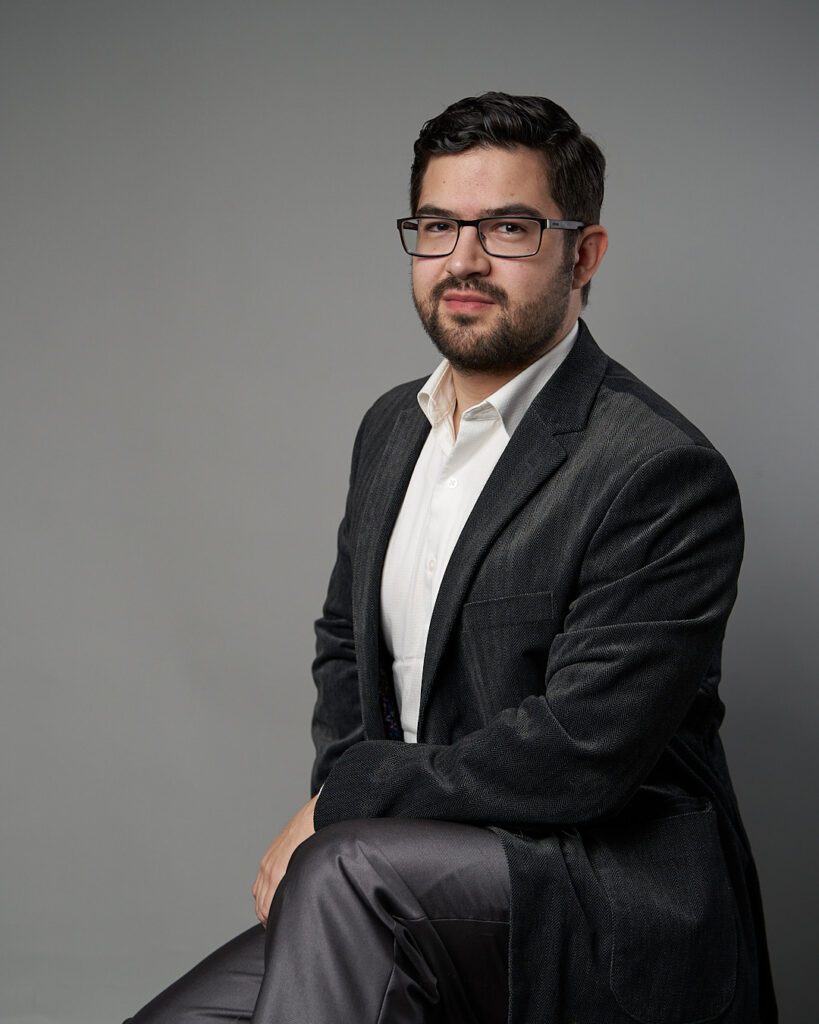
(431, 565)
(452, 482)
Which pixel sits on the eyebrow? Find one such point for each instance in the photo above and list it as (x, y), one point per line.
(510, 210)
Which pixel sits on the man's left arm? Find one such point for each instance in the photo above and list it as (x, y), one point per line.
(654, 593)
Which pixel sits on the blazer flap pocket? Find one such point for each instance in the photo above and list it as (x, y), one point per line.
(674, 941)
(504, 611)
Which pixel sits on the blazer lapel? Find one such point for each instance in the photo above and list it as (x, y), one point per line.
(381, 507)
(531, 457)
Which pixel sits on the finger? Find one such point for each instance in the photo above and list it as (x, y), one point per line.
(260, 875)
(257, 904)
(261, 903)
(264, 900)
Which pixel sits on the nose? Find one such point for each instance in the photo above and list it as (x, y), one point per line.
(468, 258)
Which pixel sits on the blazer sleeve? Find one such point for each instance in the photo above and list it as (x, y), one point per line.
(655, 588)
(337, 722)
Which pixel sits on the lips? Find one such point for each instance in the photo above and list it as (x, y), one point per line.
(466, 302)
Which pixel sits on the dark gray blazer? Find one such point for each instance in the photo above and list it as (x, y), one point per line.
(569, 697)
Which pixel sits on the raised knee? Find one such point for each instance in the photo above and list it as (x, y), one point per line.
(323, 855)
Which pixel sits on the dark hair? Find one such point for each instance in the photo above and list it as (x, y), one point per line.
(574, 163)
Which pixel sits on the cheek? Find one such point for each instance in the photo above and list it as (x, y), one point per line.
(528, 284)
(518, 282)
(423, 279)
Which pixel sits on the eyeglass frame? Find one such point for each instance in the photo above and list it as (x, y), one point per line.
(546, 224)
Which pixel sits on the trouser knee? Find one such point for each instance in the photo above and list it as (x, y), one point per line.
(328, 860)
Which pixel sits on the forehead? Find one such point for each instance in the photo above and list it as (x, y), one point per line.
(483, 179)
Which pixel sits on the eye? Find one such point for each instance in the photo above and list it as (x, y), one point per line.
(436, 227)
(509, 230)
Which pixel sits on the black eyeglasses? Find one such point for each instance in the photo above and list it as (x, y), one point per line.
(512, 238)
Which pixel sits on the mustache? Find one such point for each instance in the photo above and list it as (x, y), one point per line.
(491, 291)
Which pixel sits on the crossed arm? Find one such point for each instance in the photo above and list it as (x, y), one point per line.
(646, 616)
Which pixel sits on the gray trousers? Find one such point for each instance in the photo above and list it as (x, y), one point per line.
(376, 921)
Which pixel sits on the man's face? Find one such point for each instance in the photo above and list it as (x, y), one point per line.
(485, 313)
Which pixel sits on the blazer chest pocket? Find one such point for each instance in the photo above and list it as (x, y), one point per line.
(516, 609)
(674, 939)
(504, 645)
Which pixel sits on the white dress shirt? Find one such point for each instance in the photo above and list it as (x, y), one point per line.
(448, 477)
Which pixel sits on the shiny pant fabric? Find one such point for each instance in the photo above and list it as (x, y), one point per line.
(376, 921)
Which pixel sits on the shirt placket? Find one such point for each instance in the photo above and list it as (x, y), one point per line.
(450, 498)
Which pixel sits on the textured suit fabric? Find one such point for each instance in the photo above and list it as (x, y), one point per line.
(569, 697)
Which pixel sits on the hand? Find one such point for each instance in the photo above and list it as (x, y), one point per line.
(274, 863)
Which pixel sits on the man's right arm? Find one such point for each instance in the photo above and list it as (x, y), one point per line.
(337, 720)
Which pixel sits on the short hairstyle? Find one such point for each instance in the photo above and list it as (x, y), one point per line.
(575, 165)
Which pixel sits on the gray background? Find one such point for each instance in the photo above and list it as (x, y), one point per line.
(202, 291)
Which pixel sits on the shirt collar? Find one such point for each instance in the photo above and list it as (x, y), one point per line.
(510, 402)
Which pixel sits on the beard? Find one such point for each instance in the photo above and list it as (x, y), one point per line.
(519, 335)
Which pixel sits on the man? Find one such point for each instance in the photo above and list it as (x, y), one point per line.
(522, 806)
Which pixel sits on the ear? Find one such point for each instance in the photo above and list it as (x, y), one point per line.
(594, 240)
